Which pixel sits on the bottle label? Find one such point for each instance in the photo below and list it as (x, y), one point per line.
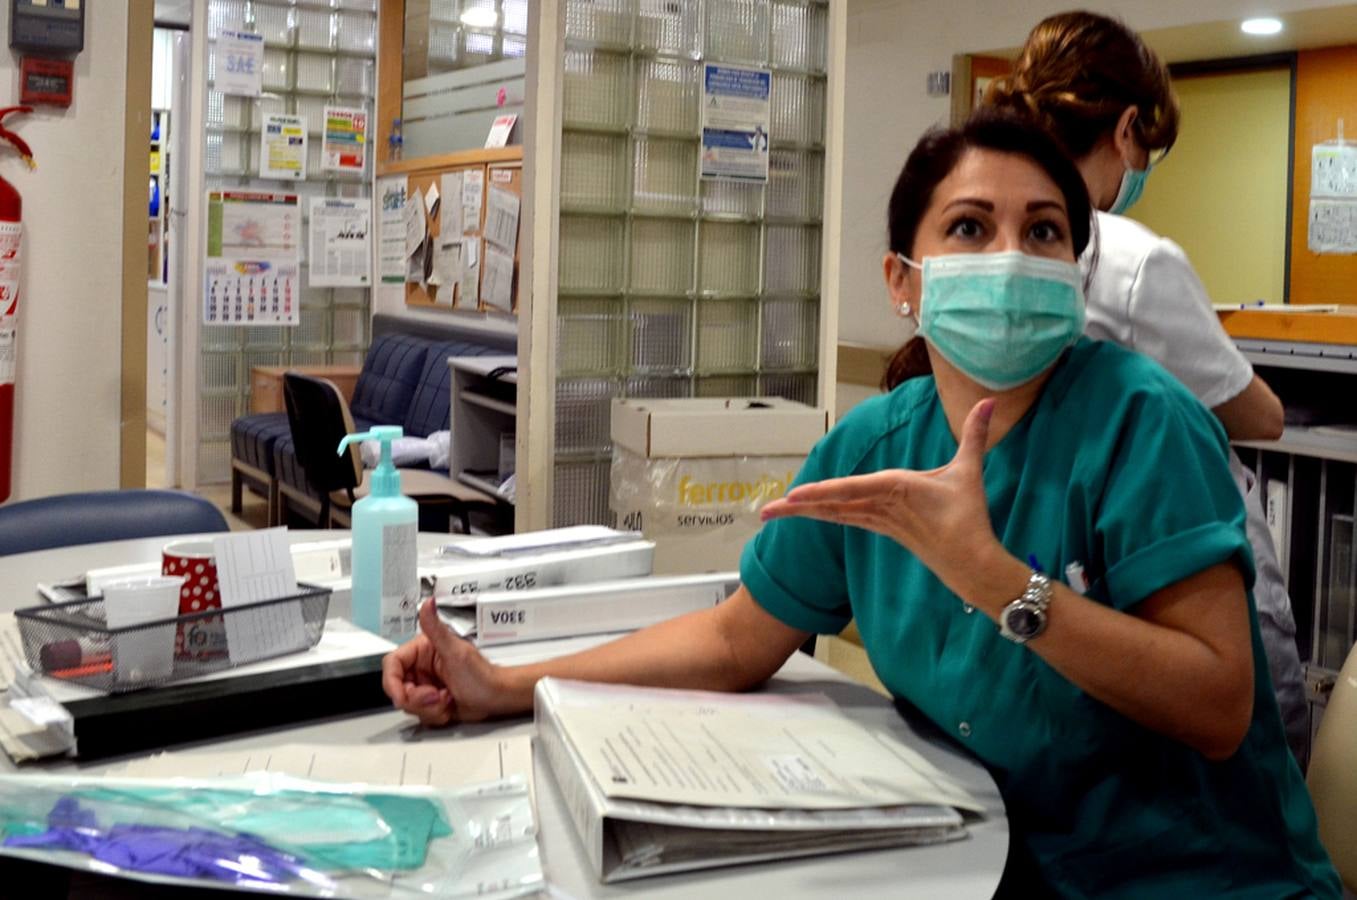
(400, 582)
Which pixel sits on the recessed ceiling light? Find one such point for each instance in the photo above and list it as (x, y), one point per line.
(480, 17)
(1261, 26)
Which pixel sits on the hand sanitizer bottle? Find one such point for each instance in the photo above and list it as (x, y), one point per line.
(385, 524)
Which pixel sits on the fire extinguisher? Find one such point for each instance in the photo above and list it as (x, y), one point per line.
(11, 215)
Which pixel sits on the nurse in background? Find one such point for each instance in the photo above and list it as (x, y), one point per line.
(1093, 84)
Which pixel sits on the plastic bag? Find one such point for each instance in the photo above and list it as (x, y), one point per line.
(280, 835)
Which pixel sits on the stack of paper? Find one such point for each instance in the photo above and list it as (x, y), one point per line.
(537, 559)
(663, 781)
(606, 607)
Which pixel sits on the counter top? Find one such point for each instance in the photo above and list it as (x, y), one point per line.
(1314, 327)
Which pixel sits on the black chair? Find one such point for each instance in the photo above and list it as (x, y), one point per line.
(319, 417)
(67, 520)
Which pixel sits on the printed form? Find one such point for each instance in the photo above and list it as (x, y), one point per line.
(764, 751)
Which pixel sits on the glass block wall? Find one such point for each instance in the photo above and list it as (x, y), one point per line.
(315, 53)
(671, 286)
(459, 34)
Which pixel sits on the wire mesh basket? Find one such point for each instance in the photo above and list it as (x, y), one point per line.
(72, 641)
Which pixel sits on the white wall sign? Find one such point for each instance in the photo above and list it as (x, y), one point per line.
(736, 117)
(341, 245)
(240, 64)
(282, 147)
(344, 141)
(252, 260)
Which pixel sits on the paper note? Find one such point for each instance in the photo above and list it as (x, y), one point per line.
(500, 131)
(341, 253)
(1333, 170)
(440, 764)
(501, 219)
(447, 266)
(282, 147)
(1333, 226)
(736, 121)
(498, 287)
(254, 566)
(471, 272)
(240, 64)
(538, 541)
(391, 230)
(473, 194)
(415, 228)
(344, 140)
(431, 200)
(450, 221)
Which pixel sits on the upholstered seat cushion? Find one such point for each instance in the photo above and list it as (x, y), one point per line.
(430, 406)
(253, 438)
(391, 372)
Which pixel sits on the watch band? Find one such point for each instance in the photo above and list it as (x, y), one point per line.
(1025, 617)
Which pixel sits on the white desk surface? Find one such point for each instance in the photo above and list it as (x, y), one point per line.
(959, 870)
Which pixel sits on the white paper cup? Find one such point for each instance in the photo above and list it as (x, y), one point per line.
(143, 655)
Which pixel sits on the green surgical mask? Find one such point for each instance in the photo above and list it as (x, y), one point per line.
(1132, 186)
(1001, 318)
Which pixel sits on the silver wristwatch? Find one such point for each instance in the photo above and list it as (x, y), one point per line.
(1025, 617)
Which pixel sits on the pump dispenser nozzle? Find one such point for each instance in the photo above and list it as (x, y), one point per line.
(386, 481)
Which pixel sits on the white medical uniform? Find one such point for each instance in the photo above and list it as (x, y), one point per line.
(1145, 295)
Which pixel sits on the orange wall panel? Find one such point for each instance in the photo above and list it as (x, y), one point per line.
(1324, 94)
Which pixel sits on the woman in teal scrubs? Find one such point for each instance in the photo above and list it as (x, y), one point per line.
(1044, 550)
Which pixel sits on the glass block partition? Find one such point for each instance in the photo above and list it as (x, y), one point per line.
(671, 286)
(464, 33)
(316, 53)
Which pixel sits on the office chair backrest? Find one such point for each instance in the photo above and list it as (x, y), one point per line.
(1332, 776)
(67, 520)
(319, 417)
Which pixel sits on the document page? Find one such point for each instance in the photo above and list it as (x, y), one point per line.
(764, 751)
(442, 764)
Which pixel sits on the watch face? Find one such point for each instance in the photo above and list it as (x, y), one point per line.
(1024, 621)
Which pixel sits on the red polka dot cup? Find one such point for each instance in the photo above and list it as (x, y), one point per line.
(203, 638)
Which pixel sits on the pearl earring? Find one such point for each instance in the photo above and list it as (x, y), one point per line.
(903, 309)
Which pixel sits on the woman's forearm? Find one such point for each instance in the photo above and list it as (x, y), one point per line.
(731, 647)
(1182, 665)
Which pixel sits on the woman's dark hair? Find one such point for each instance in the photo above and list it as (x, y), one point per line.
(933, 159)
(1077, 74)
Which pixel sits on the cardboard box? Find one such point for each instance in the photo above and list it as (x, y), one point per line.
(717, 426)
(692, 475)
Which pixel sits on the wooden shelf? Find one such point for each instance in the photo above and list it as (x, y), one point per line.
(458, 160)
(481, 484)
(1322, 328)
(1301, 441)
(480, 399)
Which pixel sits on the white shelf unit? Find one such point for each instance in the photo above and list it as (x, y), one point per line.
(481, 411)
(1316, 513)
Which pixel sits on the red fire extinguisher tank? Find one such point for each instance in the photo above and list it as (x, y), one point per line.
(11, 258)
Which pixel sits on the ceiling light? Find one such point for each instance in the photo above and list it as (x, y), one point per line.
(1261, 27)
(480, 17)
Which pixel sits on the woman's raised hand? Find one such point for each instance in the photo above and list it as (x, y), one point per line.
(441, 678)
(940, 516)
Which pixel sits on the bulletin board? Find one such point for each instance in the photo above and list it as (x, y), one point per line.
(1324, 80)
(500, 178)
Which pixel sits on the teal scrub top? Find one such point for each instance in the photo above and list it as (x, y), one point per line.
(1118, 468)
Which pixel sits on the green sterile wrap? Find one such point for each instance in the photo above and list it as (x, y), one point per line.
(334, 832)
